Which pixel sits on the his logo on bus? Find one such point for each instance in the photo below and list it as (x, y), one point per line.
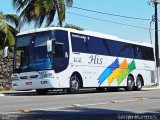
(95, 59)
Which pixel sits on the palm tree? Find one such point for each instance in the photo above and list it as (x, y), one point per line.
(8, 24)
(40, 11)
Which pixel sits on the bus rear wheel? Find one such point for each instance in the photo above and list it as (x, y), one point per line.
(74, 85)
(130, 83)
(41, 91)
(138, 86)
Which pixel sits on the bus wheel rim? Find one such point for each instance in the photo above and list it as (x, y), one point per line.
(131, 83)
(139, 84)
(74, 84)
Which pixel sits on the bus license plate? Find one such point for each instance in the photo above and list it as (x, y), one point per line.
(28, 83)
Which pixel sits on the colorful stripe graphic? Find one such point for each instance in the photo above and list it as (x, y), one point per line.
(108, 71)
(126, 72)
(116, 71)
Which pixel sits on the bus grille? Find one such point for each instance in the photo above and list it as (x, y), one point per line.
(27, 77)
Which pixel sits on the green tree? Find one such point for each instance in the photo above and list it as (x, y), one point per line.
(8, 25)
(40, 11)
(73, 27)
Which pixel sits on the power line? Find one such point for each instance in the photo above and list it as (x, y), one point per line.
(128, 25)
(105, 13)
(115, 15)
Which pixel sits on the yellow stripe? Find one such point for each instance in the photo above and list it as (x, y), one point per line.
(114, 75)
(118, 72)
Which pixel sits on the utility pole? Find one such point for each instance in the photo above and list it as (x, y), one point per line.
(156, 40)
(156, 34)
(155, 3)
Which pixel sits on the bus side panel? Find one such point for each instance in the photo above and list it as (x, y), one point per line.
(64, 76)
(112, 71)
(147, 70)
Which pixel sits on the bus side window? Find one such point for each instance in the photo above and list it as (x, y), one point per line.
(126, 50)
(138, 53)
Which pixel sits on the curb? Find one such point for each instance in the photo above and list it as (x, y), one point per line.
(12, 93)
(2, 95)
(155, 88)
(8, 92)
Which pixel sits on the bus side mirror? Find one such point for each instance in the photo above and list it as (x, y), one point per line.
(6, 51)
(49, 46)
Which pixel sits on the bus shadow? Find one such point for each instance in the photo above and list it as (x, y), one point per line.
(82, 113)
(61, 92)
(57, 92)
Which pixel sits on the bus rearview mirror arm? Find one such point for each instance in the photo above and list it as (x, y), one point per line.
(50, 45)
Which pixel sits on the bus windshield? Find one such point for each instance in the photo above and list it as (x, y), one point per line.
(31, 52)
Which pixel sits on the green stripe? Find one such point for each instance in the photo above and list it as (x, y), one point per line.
(131, 67)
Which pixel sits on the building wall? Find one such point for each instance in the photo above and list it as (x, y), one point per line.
(5, 71)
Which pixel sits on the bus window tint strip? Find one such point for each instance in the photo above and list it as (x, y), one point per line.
(94, 45)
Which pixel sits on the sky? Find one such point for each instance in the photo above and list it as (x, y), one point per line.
(130, 8)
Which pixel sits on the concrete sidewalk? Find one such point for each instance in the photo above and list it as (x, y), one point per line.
(151, 88)
(3, 93)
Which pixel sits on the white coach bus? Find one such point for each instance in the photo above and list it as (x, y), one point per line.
(62, 58)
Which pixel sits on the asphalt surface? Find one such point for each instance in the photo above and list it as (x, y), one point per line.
(122, 105)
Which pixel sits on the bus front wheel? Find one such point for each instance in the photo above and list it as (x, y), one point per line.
(74, 85)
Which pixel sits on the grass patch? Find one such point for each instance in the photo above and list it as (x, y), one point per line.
(151, 86)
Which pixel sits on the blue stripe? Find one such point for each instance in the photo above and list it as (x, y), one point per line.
(108, 71)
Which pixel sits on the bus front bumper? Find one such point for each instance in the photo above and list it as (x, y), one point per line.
(29, 84)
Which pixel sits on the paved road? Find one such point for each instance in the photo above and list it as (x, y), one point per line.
(122, 105)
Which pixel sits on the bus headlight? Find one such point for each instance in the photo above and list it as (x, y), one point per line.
(15, 84)
(14, 77)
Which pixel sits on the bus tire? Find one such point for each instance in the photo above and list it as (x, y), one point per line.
(41, 91)
(139, 84)
(130, 83)
(74, 85)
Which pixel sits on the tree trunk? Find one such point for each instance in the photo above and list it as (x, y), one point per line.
(58, 12)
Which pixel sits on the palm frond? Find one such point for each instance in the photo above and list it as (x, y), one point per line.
(69, 3)
(39, 21)
(7, 31)
(60, 8)
(10, 39)
(27, 15)
(50, 16)
(12, 18)
(39, 11)
(20, 4)
(73, 27)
